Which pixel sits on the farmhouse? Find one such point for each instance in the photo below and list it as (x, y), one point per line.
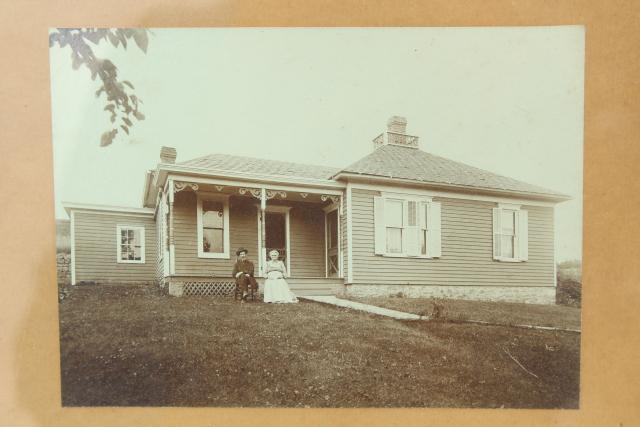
(399, 220)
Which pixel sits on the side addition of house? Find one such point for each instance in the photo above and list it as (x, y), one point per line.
(399, 220)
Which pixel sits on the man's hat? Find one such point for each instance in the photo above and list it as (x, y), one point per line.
(240, 250)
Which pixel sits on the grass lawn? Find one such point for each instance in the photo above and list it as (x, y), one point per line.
(558, 316)
(134, 346)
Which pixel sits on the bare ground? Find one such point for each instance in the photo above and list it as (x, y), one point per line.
(133, 346)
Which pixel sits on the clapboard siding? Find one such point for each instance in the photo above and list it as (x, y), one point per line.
(243, 232)
(307, 241)
(96, 248)
(306, 238)
(467, 251)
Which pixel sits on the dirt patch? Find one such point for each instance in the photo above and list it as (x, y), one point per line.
(133, 346)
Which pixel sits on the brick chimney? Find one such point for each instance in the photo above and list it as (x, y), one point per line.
(396, 134)
(397, 124)
(168, 155)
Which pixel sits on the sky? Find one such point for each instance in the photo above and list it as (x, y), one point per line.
(508, 100)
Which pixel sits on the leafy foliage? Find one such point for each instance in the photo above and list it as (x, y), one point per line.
(122, 103)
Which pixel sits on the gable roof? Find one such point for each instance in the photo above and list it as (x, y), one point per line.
(228, 163)
(392, 161)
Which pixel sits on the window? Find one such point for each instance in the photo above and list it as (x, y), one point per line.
(130, 244)
(394, 221)
(213, 226)
(510, 233)
(407, 226)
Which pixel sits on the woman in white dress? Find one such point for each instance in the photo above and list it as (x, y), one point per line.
(276, 288)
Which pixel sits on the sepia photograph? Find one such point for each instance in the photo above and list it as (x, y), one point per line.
(319, 217)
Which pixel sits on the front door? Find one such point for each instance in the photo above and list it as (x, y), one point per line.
(333, 269)
(276, 234)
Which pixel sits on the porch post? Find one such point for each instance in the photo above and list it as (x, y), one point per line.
(263, 249)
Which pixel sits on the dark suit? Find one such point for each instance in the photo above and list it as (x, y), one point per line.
(247, 278)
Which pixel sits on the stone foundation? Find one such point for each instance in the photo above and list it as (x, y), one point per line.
(522, 294)
(63, 263)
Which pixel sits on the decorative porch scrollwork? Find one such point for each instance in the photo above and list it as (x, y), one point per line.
(219, 188)
(334, 199)
(179, 186)
(304, 195)
(273, 193)
(255, 192)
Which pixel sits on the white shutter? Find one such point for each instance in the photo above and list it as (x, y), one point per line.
(496, 233)
(434, 233)
(523, 235)
(380, 229)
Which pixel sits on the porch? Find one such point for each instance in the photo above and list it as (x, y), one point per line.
(202, 224)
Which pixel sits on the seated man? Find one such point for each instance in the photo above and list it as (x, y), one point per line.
(243, 273)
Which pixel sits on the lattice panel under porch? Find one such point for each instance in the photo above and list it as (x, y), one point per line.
(209, 288)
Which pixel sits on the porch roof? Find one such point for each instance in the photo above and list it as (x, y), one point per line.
(229, 163)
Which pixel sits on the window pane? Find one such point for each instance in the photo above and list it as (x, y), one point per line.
(423, 242)
(124, 237)
(212, 214)
(394, 240)
(393, 213)
(135, 240)
(412, 212)
(507, 246)
(212, 240)
(137, 253)
(508, 222)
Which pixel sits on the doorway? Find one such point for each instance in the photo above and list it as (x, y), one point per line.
(276, 234)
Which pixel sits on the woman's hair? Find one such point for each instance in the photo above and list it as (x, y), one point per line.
(274, 251)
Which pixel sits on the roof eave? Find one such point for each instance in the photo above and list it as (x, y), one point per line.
(351, 176)
(165, 169)
(70, 206)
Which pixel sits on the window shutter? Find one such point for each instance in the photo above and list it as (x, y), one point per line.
(523, 235)
(380, 229)
(434, 233)
(496, 233)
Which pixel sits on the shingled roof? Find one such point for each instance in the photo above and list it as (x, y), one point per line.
(387, 161)
(392, 161)
(228, 163)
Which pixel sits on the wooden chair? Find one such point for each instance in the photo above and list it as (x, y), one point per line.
(238, 293)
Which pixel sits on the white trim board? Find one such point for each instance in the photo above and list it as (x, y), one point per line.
(445, 194)
(107, 209)
(402, 182)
